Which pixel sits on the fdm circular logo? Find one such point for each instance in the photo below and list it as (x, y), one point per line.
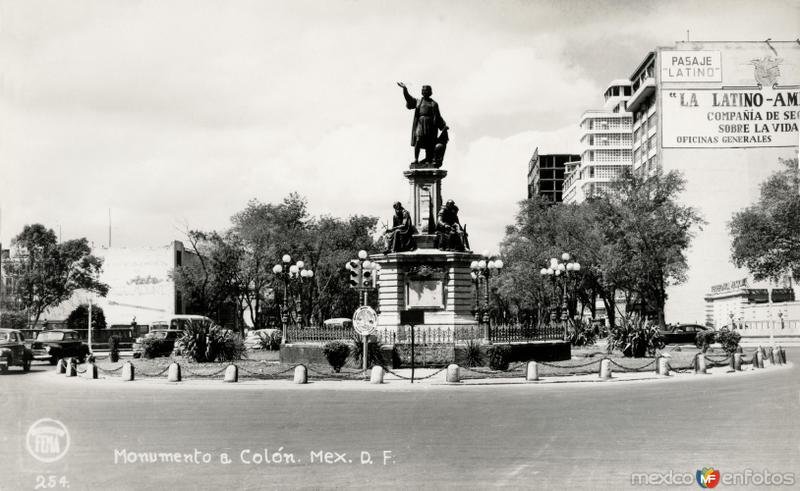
(47, 440)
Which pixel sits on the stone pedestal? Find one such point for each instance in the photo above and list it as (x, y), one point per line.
(437, 282)
(425, 198)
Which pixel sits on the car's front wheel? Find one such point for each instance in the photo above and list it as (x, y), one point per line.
(26, 365)
(53, 360)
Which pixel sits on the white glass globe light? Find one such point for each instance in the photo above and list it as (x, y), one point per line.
(287, 258)
(362, 254)
(277, 269)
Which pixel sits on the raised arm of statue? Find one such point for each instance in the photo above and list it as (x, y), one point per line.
(411, 102)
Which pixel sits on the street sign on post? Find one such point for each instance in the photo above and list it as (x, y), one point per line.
(365, 321)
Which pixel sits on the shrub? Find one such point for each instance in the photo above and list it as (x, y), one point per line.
(156, 347)
(729, 341)
(79, 318)
(336, 352)
(583, 333)
(224, 345)
(113, 348)
(275, 340)
(194, 344)
(357, 352)
(14, 320)
(499, 357)
(635, 337)
(704, 339)
(473, 352)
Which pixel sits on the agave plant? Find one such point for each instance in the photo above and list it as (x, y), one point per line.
(635, 337)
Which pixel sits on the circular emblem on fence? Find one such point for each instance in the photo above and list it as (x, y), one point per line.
(47, 440)
(365, 320)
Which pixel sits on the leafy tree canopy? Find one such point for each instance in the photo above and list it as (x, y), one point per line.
(47, 272)
(766, 235)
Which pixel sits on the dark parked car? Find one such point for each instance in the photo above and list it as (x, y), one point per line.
(682, 333)
(59, 343)
(170, 335)
(13, 351)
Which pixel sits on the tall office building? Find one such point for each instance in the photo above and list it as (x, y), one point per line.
(605, 145)
(723, 114)
(546, 175)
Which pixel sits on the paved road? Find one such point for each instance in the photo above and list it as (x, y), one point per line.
(576, 435)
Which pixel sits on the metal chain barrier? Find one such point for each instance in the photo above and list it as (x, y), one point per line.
(145, 374)
(338, 375)
(643, 368)
(553, 365)
(687, 368)
(490, 373)
(262, 375)
(204, 375)
(109, 371)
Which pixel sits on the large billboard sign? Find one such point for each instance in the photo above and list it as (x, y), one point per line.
(734, 95)
(717, 118)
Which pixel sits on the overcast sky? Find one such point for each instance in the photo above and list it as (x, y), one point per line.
(175, 114)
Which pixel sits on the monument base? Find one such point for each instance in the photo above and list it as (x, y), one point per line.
(436, 282)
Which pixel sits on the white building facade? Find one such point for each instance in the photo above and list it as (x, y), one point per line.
(605, 145)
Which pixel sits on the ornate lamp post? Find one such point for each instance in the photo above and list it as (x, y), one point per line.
(561, 271)
(481, 272)
(287, 274)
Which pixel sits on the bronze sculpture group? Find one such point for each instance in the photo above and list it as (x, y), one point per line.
(425, 135)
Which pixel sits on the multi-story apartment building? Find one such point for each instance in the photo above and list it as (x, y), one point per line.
(605, 145)
(546, 175)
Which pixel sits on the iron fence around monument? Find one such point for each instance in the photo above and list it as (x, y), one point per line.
(501, 333)
(520, 333)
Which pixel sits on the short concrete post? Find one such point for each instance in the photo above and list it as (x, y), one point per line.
(758, 361)
(605, 369)
(174, 373)
(700, 364)
(663, 366)
(231, 374)
(453, 374)
(376, 377)
(91, 371)
(300, 374)
(737, 362)
(61, 366)
(532, 372)
(72, 367)
(127, 372)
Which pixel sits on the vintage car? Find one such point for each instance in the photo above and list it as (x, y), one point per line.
(171, 329)
(13, 351)
(59, 343)
(171, 335)
(681, 333)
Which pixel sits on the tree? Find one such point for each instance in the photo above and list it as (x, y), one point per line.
(766, 235)
(646, 233)
(48, 272)
(236, 265)
(542, 231)
(79, 318)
